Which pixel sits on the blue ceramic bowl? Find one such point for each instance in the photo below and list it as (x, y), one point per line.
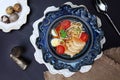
(89, 52)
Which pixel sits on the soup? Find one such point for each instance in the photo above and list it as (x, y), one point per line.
(69, 37)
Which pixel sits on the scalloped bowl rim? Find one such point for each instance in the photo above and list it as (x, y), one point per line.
(39, 57)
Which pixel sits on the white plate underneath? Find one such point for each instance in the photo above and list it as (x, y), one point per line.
(38, 54)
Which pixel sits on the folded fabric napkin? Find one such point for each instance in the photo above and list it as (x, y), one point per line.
(114, 54)
(105, 68)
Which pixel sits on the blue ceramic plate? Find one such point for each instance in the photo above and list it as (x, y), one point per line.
(89, 52)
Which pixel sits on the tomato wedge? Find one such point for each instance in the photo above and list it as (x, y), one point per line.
(65, 24)
(84, 37)
(60, 49)
(58, 28)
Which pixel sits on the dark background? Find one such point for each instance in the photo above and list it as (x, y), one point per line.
(10, 71)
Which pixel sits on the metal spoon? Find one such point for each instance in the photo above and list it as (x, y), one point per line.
(102, 7)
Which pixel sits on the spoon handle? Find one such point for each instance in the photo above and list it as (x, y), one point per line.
(112, 24)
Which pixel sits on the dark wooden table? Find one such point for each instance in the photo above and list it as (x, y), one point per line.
(10, 71)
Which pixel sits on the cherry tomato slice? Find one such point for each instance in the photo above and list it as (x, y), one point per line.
(58, 28)
(84, 37)
(65, 24)
(60, 49)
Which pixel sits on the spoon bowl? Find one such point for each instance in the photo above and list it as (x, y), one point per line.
(102, 7)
